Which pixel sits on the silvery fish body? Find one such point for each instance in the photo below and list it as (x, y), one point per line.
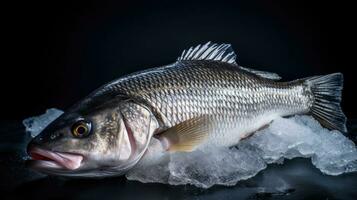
(204, 98)
(233, 98)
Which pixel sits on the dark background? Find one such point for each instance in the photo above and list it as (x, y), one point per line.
(56, 52)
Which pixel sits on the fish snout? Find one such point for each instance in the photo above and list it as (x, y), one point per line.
(41, 140)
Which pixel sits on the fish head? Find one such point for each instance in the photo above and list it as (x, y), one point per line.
(106, 141)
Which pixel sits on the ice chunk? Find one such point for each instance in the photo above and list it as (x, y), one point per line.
(34, 125)
(298, 136)
(302, 136)
(202, 168)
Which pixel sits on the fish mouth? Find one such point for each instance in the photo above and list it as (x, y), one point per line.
(46, 159)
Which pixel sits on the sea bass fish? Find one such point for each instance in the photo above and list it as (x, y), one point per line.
(203, 99)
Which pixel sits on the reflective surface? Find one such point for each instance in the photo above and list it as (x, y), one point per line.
(295, 179)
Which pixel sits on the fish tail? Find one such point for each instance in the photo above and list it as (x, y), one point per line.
(326, 108)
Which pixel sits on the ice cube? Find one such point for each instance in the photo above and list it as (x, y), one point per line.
(34, 125)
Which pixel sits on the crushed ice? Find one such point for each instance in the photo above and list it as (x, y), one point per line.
(299, 136)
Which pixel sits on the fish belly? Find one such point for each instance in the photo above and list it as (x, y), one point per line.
(227, 135)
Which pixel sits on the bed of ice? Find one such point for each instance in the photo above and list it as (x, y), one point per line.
(299, 136)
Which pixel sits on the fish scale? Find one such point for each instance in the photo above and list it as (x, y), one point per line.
(232, 97)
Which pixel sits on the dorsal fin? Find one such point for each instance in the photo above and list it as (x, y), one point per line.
(223, 53)
(210, 51)
(263, 74)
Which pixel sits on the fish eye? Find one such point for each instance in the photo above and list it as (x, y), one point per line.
(81, 128)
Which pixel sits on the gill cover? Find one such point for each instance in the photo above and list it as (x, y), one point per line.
(140, 126)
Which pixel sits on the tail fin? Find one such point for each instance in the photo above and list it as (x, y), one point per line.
(326, 108)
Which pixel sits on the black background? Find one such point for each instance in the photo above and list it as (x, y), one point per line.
(56, 52)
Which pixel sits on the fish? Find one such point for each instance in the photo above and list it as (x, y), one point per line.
(203, 99)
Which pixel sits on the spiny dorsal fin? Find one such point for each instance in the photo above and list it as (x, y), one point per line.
(210, 51)
(223, 53)
(263, 74)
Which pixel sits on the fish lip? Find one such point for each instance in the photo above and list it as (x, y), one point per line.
(46, 159)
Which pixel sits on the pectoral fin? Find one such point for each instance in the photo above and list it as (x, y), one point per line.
(187, 135)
